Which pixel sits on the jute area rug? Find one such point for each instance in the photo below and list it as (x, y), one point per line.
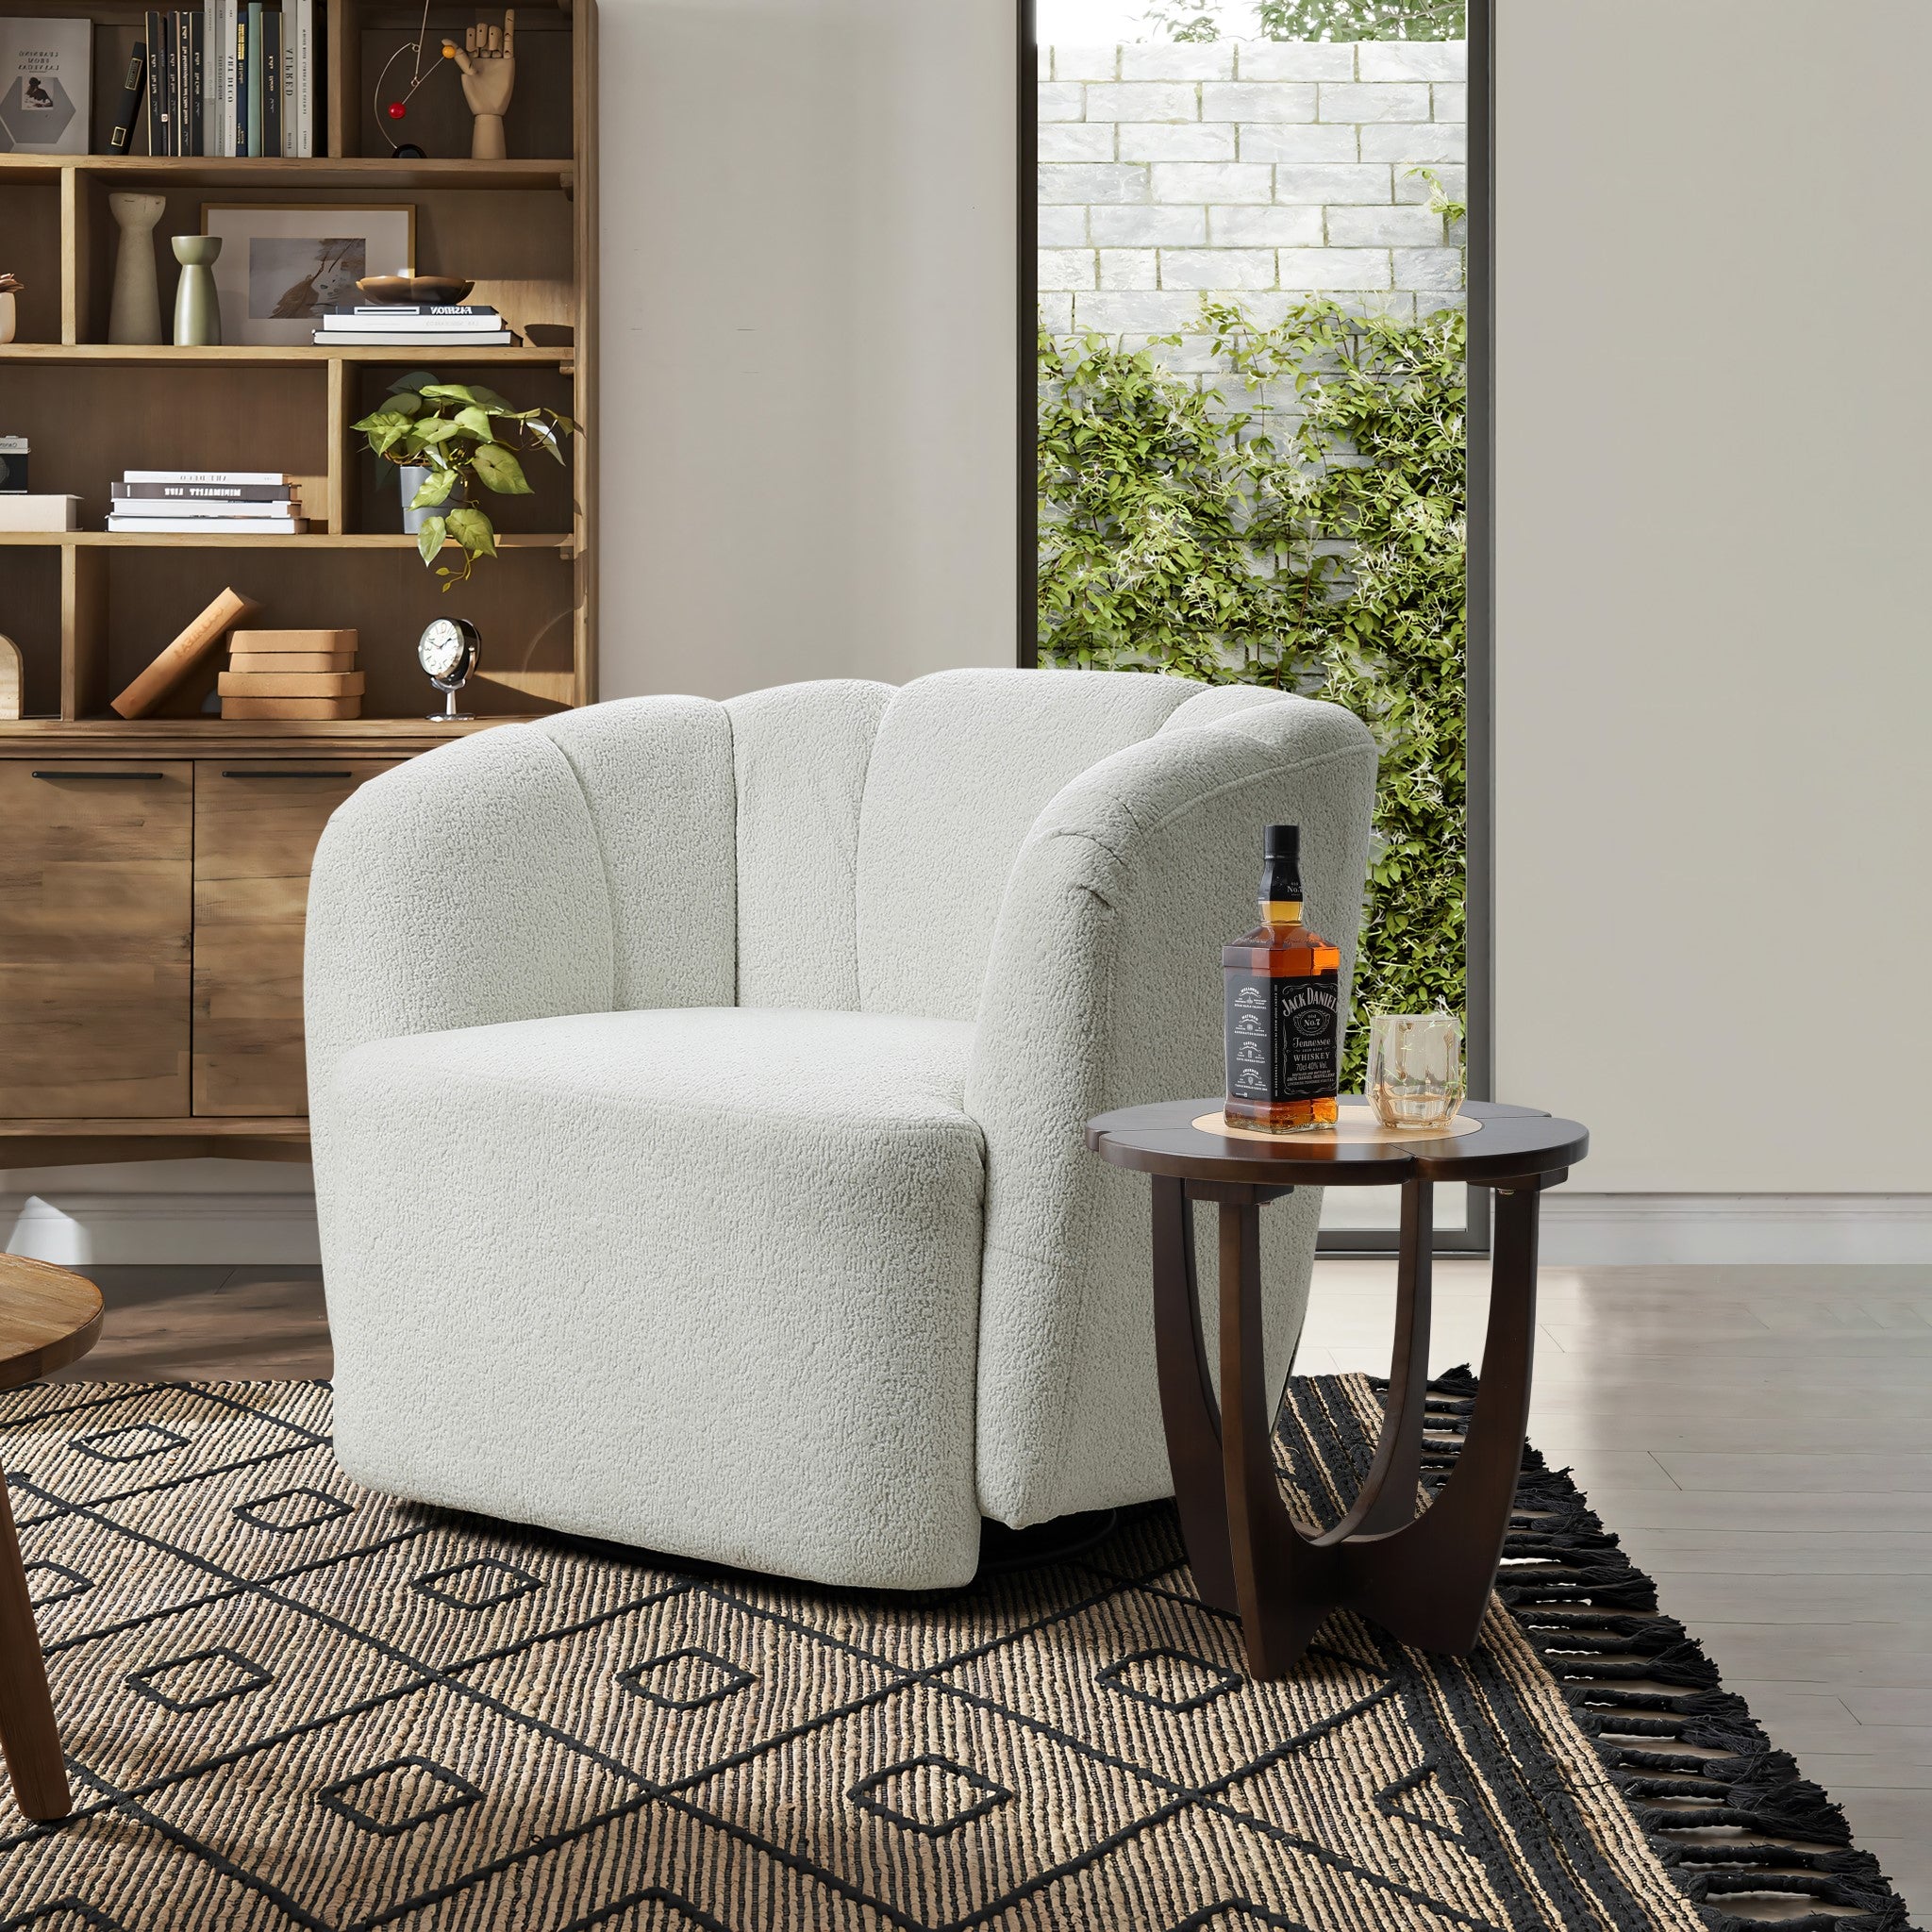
(288, 1702)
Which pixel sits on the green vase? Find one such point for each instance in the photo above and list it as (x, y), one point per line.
(197, 306)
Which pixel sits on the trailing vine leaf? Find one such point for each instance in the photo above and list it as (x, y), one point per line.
(430, 537)
(475, 422)
(471, 528)
(1311, 535)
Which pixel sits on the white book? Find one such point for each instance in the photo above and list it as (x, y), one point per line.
(21, 511)
(175, 508)
(453, 338)
(224, 51)
(298, 50)
(286, 79)
(203, 476)
(489, 323)
(208, 526)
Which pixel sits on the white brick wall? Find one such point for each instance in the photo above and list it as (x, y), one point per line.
(1258, 171)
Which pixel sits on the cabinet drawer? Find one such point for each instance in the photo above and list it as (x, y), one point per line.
(256, 828)
(95, 909)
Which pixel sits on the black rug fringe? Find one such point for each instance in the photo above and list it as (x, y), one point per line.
(1640, 1686)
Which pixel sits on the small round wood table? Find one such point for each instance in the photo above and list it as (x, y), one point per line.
(48, 1318)
(1425, 1578)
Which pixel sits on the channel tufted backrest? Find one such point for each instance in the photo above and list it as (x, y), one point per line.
(962, 764)
(799, 753)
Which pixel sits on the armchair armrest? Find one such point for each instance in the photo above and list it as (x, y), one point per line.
(1102, 990)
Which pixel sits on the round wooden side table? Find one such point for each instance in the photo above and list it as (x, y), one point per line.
(1425, 1578)
(48, 1318)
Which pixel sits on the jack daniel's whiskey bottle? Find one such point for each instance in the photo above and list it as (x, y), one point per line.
(1284, 1007)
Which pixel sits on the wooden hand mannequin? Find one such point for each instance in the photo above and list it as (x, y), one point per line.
(489, 62)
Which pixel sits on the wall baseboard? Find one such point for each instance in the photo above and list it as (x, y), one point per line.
(216, 1229)
(108, 1229)
(1664, 1229)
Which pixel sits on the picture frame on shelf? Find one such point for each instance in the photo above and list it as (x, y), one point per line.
(283, 264)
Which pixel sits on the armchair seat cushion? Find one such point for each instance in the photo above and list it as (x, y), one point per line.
(760, 1230)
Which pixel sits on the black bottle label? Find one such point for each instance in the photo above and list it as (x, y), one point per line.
(1283, 1037)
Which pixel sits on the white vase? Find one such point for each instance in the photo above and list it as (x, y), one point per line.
(135, 314)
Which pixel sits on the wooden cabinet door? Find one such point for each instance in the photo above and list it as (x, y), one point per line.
(95, 919)
(256, 827)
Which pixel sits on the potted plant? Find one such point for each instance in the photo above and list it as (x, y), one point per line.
(454, 435)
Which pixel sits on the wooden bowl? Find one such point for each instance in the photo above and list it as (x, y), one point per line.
(438, 292)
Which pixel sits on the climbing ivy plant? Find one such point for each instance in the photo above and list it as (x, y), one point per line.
(1319, 20)
(1299, 523)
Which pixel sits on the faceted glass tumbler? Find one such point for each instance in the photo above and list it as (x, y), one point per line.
(1415, 1068)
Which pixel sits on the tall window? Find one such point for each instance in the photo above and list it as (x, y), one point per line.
(1253, 363)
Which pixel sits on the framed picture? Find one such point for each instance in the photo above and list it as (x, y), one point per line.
(283, 264)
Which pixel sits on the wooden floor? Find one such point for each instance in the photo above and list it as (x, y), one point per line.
(1757, 1436)
(1758, 1439)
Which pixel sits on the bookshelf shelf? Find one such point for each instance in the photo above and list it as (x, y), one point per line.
(156, 1056)
(361, 174)
(114, 356)
(315, 539)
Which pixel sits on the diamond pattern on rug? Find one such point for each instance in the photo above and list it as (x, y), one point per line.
(290, 1702)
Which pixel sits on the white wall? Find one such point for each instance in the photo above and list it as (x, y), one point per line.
(1712, 674)
(805, 432)
(809, 338)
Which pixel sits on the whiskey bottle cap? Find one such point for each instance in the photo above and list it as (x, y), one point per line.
(1281, 863)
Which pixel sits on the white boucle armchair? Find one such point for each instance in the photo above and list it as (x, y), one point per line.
(697, 1093)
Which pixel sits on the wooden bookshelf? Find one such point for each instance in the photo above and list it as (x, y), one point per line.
(127, 1019)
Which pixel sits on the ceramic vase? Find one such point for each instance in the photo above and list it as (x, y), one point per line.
(413, 478)
(198, 306)
(135, 315)
(9, 319)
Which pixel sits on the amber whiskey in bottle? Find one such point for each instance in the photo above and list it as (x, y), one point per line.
(1284, 1007)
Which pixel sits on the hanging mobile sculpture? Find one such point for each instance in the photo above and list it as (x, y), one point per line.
(395, 110)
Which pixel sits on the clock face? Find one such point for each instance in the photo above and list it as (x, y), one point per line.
(441, 648)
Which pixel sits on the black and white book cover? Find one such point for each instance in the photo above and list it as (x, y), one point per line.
(46, 82)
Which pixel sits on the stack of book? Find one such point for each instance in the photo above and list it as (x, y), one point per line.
(205, 503)
(228, 77)
(292, 673)
(415, 324)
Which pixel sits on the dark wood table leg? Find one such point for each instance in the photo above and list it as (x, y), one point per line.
(27, 1730)
(1390, 1492)
(1429, 1583)
(1188, 1406)
(1283, 1581)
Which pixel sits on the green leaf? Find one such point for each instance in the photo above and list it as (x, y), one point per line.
(471, 528)
(436, 488)
(429, 538)
(449, 392)
(500, 471)
(434, 430)
(383, 429)
(475, 422)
